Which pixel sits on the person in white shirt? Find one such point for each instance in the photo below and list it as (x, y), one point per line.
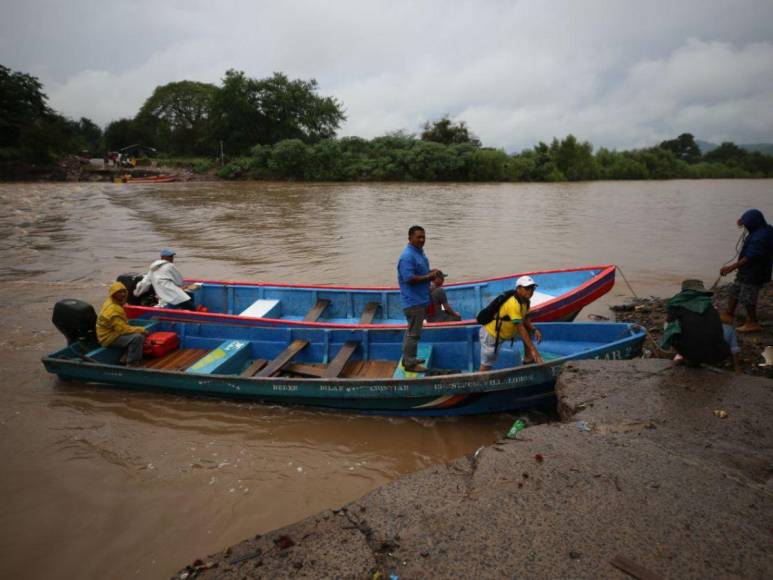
(167, 283)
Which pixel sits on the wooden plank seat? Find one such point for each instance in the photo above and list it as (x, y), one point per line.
(254, 367)
(369, 369)
(177, 360)
(282, 359)
(342, 357)
(369, 313)
(316, 310)
(329, 371)
(315, 370)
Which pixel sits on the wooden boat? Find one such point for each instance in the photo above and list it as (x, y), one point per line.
(559, 297)
(351, 370)
(148, 179)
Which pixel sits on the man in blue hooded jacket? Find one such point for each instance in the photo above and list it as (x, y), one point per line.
(754, 267)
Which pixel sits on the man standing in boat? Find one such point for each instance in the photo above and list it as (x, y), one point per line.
(167, 283)
(414, 276)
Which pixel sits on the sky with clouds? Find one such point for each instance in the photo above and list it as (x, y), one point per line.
(617, 73)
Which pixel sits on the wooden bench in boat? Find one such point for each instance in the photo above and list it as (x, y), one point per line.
(369, 313)
(342, 357)
(316, 310)
(284, 357)
(369, 369)
(342, 366)
(177, 360)
(253, 368)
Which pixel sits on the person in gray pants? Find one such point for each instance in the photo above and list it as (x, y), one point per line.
(414, 276)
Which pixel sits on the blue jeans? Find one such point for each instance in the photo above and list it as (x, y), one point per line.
(133, 344)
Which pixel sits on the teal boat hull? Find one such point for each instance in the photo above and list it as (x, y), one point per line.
(453, 387)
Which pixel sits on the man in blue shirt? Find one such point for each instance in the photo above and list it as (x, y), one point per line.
(414, 276)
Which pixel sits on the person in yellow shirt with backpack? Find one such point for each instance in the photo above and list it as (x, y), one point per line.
(114, 330)
(510, 320)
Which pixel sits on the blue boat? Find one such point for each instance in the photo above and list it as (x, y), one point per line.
(351, 370)
(559, 297)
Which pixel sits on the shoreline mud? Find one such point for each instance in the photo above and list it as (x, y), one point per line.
(73, 170)
(643, 475)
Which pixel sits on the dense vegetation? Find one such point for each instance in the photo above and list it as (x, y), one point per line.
(278, 128)
(30, 131)
(401, 157)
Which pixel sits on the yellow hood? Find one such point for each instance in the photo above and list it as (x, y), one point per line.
(116, 287)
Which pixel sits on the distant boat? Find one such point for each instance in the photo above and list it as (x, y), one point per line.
(149, 179)
(349, 370)
(559, 297)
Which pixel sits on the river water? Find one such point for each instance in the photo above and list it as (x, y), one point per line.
(105, 483)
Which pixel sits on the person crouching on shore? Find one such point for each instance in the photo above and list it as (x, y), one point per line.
(694, 329)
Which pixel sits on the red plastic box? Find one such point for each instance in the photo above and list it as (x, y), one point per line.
(158, 344)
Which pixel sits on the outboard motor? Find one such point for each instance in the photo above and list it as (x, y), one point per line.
(131, 280)
(76, 320)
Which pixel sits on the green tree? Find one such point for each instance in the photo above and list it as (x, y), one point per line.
(22, 105)
(661, 163)
(574, 160)
(446, 132)
(289, 159)
(489, 165)
(29, 129)
(125, 132)
(247, 111)
(177, 115)
(326, 161)
(391, 154)
(684, 147)
(87, 135)
(430, 161)
(726, 152)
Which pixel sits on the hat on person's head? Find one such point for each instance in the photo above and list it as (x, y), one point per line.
(166, 253)
(525, 281)
(693, 284)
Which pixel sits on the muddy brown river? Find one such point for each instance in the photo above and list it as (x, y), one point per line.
(106, 483)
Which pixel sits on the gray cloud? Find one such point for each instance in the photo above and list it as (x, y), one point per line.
(617, 73)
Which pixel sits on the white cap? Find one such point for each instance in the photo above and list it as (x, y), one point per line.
(525, 281)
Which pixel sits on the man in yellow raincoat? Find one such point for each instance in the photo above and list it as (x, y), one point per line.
(114, 330)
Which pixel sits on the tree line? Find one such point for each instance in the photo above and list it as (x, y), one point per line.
(280, 128)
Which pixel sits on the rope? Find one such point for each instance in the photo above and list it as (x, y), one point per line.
(619, 269)
(647, 332)
(738, 246)
(654, 342)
